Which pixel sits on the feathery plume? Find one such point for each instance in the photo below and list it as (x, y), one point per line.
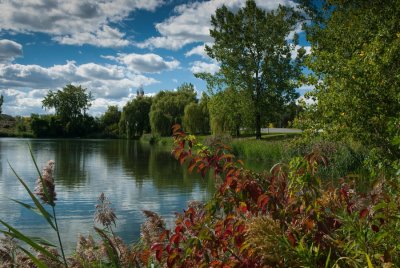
(45, 187)
(104, 213)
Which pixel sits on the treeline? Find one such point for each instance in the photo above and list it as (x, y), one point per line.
(215, 114)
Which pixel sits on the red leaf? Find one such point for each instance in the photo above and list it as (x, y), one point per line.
(291, 239)
(176, 238)
(157, 246)
(375, 228)
(243, 207)
(262, 201)
(192, 165)
(159, 255)
(363, 213)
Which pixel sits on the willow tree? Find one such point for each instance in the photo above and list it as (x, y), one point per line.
(254, 49)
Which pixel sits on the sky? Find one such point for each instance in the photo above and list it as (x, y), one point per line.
(110, 47)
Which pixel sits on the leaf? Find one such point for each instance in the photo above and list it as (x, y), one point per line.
(368, 261)
(243, 207)
(42, 210)
(20, 236)
(364, 213)
(112, 252)
(38, 263)
(375, 228)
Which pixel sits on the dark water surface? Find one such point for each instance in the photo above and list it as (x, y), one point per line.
(134, 176)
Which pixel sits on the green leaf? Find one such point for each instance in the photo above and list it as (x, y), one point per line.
(17, 234)
(42, 210)
(112, 252)
(38, 263)
(368, 261)
(32, 208)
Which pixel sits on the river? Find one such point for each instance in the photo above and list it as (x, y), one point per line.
(134, 176)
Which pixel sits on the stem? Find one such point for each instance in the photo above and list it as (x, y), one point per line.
(59, 238)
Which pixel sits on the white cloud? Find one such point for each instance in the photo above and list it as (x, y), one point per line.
(72, 22)
(9, 50)
(145, 63)
(201, 66)
(191, 22)
(199, 50)
(24, 86)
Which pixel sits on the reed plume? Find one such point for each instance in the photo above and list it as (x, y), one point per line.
(104, 213)
(45, 187)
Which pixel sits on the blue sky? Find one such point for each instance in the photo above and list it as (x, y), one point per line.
(110, 47)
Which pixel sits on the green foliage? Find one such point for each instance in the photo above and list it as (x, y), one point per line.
(1, 103)
(255, 54)
(168, 108)
(110, 120)
(135, 117)
(51, 126)
(229, 112)
(70, 105)
(355, 48)
(196, 117)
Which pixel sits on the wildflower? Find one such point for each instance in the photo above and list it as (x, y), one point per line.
(46, 193)
(104, 214)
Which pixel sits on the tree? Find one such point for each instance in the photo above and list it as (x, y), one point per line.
(70, 104)
(168, 108)
(255, 55)
(1, 104)
(135, 117)
(228, 112)
(355, 61)
(196, 117)
(110, 120)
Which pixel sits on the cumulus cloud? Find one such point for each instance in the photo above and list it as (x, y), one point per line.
(191, 22)
(72, 22)
(198, 50)
(9, 50)
(145, 63)
(201, 66)
(24, 86)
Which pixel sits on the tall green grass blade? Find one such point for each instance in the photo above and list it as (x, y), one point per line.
(20, 236)
(368, 261)
(112, 252)
(42, 241)
(42, 210)
(328, 259)
(38, 263)
(46, 193)
(27, 206)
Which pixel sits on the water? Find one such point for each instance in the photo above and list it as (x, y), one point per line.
(132, 175)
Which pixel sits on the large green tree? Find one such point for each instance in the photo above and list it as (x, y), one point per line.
(255, 55)
(355, 60)
(70, 105)
(168, 108)
(135, 117)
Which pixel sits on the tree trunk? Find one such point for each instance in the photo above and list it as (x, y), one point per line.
(258, 125)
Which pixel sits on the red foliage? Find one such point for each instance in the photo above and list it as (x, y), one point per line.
(215, 235)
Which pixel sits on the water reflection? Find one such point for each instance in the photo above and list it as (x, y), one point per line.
(134, 176)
